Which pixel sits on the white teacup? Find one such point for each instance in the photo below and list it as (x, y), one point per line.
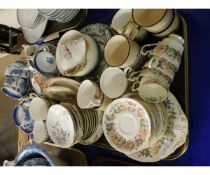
(44, 62)
(89, 95)
(38, 108)
(123, 23)
(39, 134)
(121, 52)
(172, 28)
(150, 89)
(113, 82)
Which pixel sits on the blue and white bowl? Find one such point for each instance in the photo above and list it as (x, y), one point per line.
(31, 154)
(13, 71)
(18, 84)
(45, 63)
(22, 116)
(17, 80)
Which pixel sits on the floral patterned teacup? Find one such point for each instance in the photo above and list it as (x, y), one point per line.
(161, 65)
(89, 95)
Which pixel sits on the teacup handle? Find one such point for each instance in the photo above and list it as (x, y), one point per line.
(128, 71)
(135, 86)
(134, 76)
(32, 95)
(131, 26)
(144, 50)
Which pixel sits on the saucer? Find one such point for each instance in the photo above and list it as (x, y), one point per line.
(176, 131)
(126, 125)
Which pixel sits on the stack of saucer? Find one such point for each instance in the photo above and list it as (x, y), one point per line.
(61, 89)
(144, 131)
(131, 125)
(77, 54)
(16, 84)
(60, 15)
(33, 24)
(68, 125)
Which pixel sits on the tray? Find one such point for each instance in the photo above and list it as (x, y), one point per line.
(179, 87)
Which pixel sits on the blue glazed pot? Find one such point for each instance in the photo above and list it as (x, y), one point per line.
(33, 155)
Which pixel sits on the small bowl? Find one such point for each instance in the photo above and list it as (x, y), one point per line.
(18, 84)
(22, 117)
(45, 63)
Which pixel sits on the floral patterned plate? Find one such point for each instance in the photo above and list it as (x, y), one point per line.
(175, 134)
(60, 126)
(126, 125)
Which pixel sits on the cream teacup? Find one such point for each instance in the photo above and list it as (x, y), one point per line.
(38, 108)
(39, 134)
(122, 52)
(123, 23)
(153, 20)
(113, 82)
(150, 90)
(161, 65)
(89, 95)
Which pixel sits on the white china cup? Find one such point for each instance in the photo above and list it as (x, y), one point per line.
(89, 95)
(121, 52)
(113, 82)
(123, 23)
(151, 90)
(45, 62)
(38, 108)
(173, 27)
(40, 134)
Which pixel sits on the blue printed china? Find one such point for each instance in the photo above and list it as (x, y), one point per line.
(45, 63)
(33, 155)
(18, 84)
(22, 116)
(16, 72)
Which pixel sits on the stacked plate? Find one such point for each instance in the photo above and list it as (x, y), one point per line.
(143, 131)
(60, 15)
(68, 125)
(33, 24)
(61, 89)
(131, 125)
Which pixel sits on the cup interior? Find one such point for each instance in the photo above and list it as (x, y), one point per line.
(116, 50)
(148, 17)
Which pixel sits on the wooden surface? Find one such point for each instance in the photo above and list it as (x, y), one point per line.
(22, 139)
